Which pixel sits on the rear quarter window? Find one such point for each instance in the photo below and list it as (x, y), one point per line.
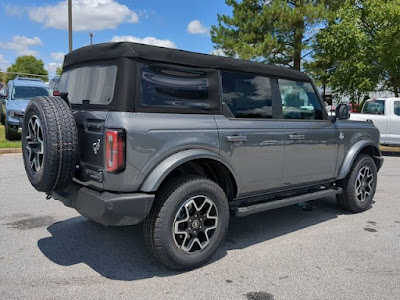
(175, 89)
(93, 83)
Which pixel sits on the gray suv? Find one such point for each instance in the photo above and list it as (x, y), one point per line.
(182, 140)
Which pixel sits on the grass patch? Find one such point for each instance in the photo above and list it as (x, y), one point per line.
(390, 149)
(7, 144)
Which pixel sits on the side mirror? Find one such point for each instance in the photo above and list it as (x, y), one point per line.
(3, 94)
(342, 112)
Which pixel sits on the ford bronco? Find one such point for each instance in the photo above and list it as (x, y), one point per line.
(182, 141)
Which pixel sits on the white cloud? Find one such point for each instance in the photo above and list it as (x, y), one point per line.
(4, 63)
(195, 27)
(20, 44)
(58, 56)
(52, 67)
(134, 18)
(147, 40)
(13, 10)
(86, 15)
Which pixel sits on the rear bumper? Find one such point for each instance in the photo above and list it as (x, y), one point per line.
(107, 208)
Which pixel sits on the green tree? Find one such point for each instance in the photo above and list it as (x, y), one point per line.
(381, 22)
(275, 32)
(360, 45)
(27, 64)
(59, 71)
(320, 68)
(2, 76)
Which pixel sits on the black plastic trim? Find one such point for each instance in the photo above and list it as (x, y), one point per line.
(256, 208)
(110, 209)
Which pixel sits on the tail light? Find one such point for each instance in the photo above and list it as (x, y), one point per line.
(115, 150)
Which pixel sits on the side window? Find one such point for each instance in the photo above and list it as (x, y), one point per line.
(246, 95)
(397, 108)
(299, 100)
(171, 87)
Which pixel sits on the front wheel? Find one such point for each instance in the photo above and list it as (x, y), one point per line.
(187, 223)
(359, 185)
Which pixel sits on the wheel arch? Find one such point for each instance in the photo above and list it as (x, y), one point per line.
(194, 161)
(360, 147)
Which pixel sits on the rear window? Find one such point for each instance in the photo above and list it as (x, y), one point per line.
(29, 92)
(94, 84)
(177, 88)
(375, 107)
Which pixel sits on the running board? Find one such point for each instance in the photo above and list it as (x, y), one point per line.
(256, 208)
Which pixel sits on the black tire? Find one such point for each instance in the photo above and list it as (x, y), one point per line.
(59, 143)
(158, 226)
(349, 200)
(10, 135)
(2, 119)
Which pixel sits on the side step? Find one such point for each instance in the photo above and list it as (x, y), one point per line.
(256, 208)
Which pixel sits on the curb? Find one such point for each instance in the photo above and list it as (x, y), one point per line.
(10, 150)
(390, 153)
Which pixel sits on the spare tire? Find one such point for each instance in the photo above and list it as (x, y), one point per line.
(49, 143)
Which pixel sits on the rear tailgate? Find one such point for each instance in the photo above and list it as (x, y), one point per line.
(91, 146)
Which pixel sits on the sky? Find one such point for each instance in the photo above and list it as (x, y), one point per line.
(39, 27)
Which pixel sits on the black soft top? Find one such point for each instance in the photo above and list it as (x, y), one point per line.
(167, 55)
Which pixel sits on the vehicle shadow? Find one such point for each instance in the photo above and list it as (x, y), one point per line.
(119, 253)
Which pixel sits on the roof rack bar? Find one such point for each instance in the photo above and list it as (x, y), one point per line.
(28, 78)
(26, 74)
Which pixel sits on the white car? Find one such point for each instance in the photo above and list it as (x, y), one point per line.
(385, 114)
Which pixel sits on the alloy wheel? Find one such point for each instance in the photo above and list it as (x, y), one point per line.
(34, 144)
(363, 184)
(195, 224)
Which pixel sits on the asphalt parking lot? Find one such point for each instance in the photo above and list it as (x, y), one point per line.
(47, 251)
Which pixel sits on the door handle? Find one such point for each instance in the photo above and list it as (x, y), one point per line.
(236, 138)
(296, 137)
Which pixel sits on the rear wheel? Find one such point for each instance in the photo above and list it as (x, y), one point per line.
(187, 223)
(359, 185)
(49, 143)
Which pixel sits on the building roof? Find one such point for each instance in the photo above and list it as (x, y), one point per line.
(167, 55)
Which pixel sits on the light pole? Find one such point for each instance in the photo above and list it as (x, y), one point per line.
(70, 24)
(91, 38)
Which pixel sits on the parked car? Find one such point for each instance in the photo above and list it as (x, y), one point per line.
(180, 140)
(385, 114)
(54, 82)
(19, 92)
(3, 96)
(354, 107)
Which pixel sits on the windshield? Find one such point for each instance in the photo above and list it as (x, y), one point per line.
(92, 84)
(29, 92)
(376, 107)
